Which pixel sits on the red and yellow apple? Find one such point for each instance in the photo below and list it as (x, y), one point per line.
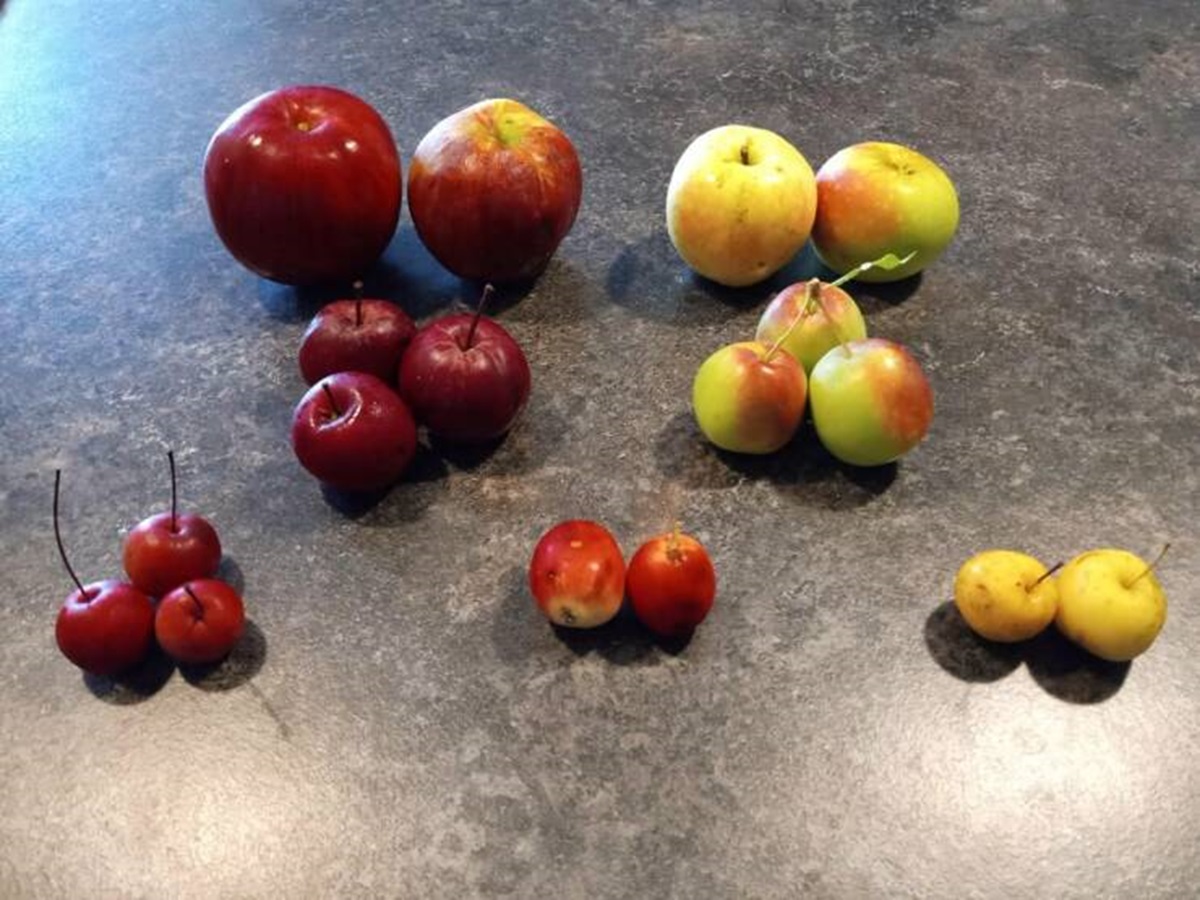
(1110, 603)
(740, 204)
(811, 323)
(871, 402)
(493, 189)
(875, 197)
(749, 397)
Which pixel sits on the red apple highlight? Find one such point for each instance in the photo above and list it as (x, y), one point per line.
(493, 189)
(304, 184)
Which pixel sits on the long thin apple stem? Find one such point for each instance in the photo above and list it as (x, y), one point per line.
(812, 289)
(196, 600)
(329, 396)
(488, 290)
(174, 506)
(58, 539)
(1050, 571)
(837, 329)
(1150, 568)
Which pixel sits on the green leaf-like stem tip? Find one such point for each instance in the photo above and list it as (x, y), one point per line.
(888, 261)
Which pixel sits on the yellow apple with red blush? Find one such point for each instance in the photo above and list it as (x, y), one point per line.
(877, 196)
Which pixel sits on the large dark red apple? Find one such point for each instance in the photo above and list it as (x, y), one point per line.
(304, 184)
(493, 190)
(465, 378)
(353, 432)
(355, 336)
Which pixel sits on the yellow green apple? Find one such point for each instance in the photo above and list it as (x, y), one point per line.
(749, 398)
(878, 196)
(1005, 595)
(740, 204)
(811, 318)
(871, 402)
(1110, 603)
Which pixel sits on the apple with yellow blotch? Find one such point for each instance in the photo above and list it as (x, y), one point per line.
(1111, 603)
(877, 196)
(740, 204)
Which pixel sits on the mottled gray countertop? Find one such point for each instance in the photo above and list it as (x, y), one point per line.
(401, 721)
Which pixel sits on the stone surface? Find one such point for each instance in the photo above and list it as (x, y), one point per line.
(400, 721)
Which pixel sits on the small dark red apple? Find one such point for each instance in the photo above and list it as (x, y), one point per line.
(167, 549)
(104, 627)
(304, 184)
(465, 378)
(199, 622)
(493, 190)
(352, 432)
(355, 336)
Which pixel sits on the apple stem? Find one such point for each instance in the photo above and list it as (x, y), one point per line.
(837, 329)
(1150, 568)
(674, 554)
(813, 289)
(358, 290)
(196, 600)
(329, 396)
(174, 506)
(58, 539)
(1050, 571)
(745, 154)
(488, 290)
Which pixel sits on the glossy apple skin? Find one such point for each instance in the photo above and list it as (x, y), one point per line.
(875, 198)
(1005, 596)
(493, 189)
(835, 320)
(159, 556)
(671, 584)
(201, 626)
(107, 632)
(746, 402)
(304, 184)
(363, 445)
(355, 336)
(1109, 604)
(465, 394)
(871, 402)
(740, 204)
(577, 574)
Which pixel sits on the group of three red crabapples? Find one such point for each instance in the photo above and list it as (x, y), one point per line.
(106, 627)
(304, 184)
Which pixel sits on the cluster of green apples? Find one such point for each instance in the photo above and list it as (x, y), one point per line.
(741, 203)
(1107, 601)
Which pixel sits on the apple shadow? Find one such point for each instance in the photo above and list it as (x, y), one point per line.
(404, 501)
(135, 685)
(1061, 668)
(649, 279)
(803, 469)
(873, 297)
(244, 661)
(231, 573)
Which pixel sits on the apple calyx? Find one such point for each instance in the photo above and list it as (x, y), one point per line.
(488, 290)
(196, 600)
(58, 540)
(337, 412)
(1050, 571)
(1150, 568)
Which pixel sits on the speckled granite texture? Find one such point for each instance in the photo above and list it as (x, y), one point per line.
(401, 722)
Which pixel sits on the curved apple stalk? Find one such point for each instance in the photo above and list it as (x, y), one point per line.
(812, 300)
